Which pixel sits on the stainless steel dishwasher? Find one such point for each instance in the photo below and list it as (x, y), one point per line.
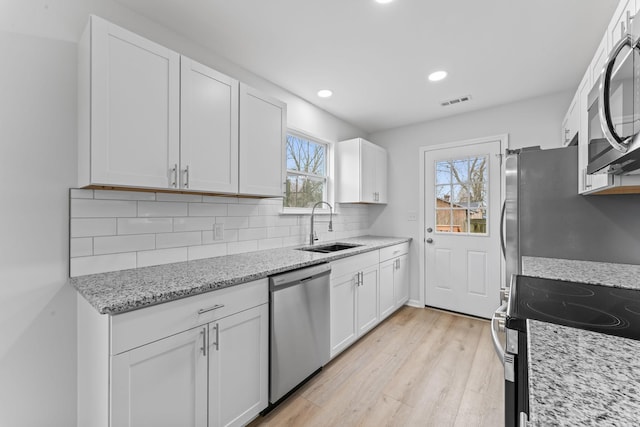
(299, 327)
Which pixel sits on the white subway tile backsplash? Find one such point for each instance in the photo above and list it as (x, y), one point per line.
(207, 209)
(233, 222)
(161, 256)
(115, 230)
(193, 223)
(144, 225)
(90, 227)
(242, 247)
(216, 199)
(90, 208)
(252, 234)
(81, 247)
(173, 240)
(128, 243)
(161, 209)
(243, 209)
(77, 193)
(207, 251)
(171, 197)
(262, 221)
(278, 232)
(124, 195)
(270, 243)
(102, 263)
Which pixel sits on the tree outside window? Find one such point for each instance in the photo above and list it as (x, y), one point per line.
(306, 172)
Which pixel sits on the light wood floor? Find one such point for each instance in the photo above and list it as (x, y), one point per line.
(420, 367)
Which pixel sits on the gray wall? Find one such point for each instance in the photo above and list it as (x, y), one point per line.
(557, 222)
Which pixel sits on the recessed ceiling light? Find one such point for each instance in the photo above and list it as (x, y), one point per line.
(383, 1)
(324, 93)
(437, 76)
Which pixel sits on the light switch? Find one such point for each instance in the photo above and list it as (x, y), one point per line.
(218, 231)
(412, 216)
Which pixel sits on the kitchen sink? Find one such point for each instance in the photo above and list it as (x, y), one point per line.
(327, 249)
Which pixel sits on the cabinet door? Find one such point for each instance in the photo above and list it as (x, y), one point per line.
(209, 129)
(571, 121)
(381, 175)
(583, 133)
(343, 312)
(367, 308)
(263, 124)
(134, 109)
(238, 367)
(368, 185)
(618, 25)
(387, 297)
(161, 384)
(401, 280)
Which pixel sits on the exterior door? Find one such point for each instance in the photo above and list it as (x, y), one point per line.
(462, 215)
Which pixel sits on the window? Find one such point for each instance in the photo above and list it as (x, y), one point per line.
(461, 195)
(306, 171)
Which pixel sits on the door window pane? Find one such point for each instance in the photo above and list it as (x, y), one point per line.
(461, 188)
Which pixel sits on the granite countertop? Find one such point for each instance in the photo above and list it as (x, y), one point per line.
(599, 273)
(582, 378)
(579, 377)
(126, 290)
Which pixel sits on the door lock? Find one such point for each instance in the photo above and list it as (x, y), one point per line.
(429, 230)
(429, 240)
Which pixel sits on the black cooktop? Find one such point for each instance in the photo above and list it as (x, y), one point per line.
(605, 309)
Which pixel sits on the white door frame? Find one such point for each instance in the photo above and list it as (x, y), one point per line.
(504, 143)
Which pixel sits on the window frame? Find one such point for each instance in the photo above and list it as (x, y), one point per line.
(328, 178)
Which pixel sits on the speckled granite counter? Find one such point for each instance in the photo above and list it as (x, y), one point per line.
(602, 273)
(582, 378)
(126, 290)
(579, 377)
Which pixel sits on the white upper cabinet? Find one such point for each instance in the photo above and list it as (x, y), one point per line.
(129, 111)
(361, 172)
(150, 118)
(571, 121)
(209, 129)
(263, 124)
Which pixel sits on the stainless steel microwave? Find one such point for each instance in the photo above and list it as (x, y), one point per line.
(614, 109)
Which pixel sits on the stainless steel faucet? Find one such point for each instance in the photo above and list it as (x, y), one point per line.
(312, 235)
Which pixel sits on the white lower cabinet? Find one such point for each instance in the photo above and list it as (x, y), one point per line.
(394, 278)
(143, 368)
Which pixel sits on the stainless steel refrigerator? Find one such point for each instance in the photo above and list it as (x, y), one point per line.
(544, 216)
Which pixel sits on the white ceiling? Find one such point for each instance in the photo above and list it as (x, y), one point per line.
(376, 57)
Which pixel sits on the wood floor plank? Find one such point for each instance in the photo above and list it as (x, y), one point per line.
(420, 367)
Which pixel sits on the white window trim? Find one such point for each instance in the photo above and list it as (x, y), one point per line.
(329, 159)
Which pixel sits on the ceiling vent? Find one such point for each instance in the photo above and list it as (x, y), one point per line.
(456, 100)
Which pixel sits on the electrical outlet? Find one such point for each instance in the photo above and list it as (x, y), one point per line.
(412, 216)
(218, 231)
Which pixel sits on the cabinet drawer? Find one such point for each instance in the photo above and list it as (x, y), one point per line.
(139, 327)
(394, 251)
(354, 263)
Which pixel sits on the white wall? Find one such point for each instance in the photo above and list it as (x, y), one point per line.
(37, 309)
(38, 148)
(536, 121)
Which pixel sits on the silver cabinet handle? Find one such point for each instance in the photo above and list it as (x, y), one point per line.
(174, 173)
(496, 319)
(356, 278)
(204, 341)
(215, 307)
(361, 278)
(186, 176)
(604, 109)
(502, 226)
(216, 327)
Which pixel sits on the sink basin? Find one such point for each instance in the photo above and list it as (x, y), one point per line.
(327, 249)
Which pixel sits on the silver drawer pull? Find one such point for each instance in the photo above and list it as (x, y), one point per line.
(205, 310)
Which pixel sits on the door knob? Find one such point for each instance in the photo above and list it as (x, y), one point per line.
(429, 240)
